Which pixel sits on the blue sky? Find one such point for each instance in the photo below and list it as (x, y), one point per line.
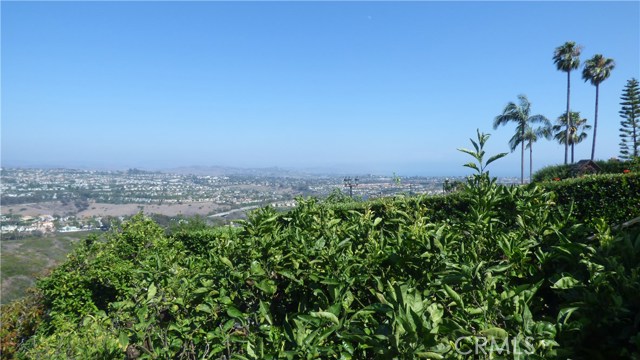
(356, 87)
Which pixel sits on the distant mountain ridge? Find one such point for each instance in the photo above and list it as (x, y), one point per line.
(228, 170)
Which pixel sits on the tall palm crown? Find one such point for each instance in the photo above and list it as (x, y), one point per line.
(531, 135)
(567, 58)
(519, 114)
(576, 131)
(596, 70)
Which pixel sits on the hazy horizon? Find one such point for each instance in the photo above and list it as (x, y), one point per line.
(337, 170)
(352, 87)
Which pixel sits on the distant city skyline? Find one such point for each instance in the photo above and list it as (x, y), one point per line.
(348, 87)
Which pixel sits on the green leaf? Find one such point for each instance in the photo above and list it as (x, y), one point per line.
(495, 157)
(225, 300)
(566, 282)
(467, 151)
(226, 261)
(347, 300)
(454, 295)
(234, 312)
(290, 276)
(565, 313)
(376, 221)
(228, 325)
(429, 355)
(123, 340)
(474, 311)
(498, 268)
(472, 166)
(264, 311)
(204, 308)
(256, 268)
(495, 332)
(475, 145)
(435, 313)
(268, 286)
(344, 243)
(250, 351)
(151, 292)
(327, 316)
(347, 346)
(545, 329)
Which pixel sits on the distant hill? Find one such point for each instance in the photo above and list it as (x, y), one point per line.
(226, 170)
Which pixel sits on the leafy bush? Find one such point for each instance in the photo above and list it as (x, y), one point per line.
(321, 282)
(199, 241)
(436, 207)
(561, 172)
(614, 198)
(613, 166)
(552, 172)
(19, 321)
(596, 294)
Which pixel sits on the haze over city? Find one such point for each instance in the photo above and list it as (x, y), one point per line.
(368, 87)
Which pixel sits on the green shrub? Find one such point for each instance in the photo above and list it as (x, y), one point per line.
(199, 241)
(561, 172)
(18, 322)
(595, 294)
(613, 166)
(552, 172)
(401, 278)
(435, 207)
(614, 198)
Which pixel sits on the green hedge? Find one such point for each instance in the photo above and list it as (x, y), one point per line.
(615, 198)
(340, 283)
(613, 166)
(552, 172)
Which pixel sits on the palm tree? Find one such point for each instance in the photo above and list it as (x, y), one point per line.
(520, 115)
(567, 58)
(596, 70)
(530, 136)
(577, 131)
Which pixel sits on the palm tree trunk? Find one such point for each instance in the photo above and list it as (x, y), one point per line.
(530, 161)
(566, 144)
(572, 151)
(595, 124)
(522, 158)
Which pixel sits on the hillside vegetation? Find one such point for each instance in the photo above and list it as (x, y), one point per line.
(22, 260)
(508, 270)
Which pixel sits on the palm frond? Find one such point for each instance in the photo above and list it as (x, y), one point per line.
(567, 56)
(576, 131)
(597, 69)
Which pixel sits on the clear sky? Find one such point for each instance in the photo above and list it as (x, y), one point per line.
(357, 87)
